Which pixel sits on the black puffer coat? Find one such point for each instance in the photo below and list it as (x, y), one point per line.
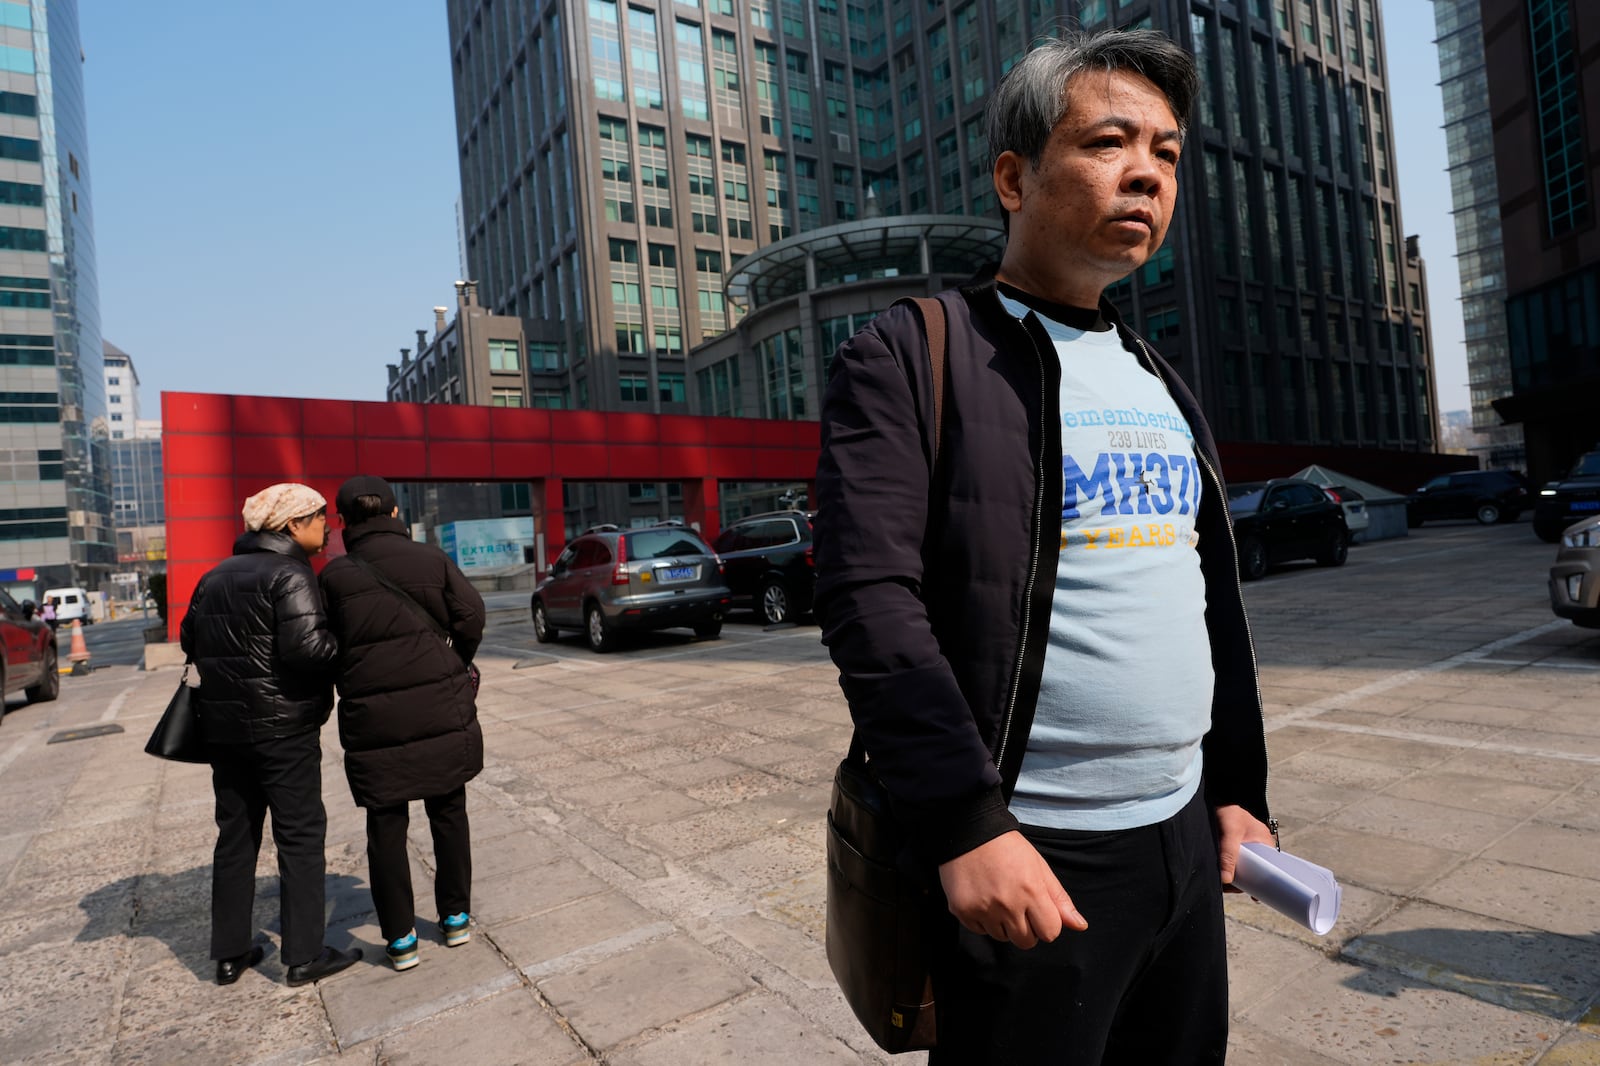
(257, 631)
(407, 715)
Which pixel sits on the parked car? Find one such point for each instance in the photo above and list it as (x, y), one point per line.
(769, 564)
(1284, 519)
(1575, 577)
(608, 580)
(1571, 499)
(1354, 505)
(1490, 496)
(29, 665)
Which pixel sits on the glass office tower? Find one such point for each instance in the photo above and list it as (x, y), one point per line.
(617, 160)
(55, 487)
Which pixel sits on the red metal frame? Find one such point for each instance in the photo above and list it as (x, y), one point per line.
(218, 449)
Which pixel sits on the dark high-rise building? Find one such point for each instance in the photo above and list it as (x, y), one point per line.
(1475, 199)
(55, 477)
(1544, 77)
(621, 164)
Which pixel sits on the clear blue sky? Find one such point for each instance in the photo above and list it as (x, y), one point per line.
(275, 185)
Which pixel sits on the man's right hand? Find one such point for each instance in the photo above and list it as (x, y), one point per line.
(1004, 889)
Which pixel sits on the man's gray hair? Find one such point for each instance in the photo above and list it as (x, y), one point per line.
(1032, 98)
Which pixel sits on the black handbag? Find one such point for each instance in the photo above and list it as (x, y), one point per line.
(884, 912)
(177, 736)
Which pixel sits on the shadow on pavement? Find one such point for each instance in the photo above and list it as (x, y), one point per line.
(1534, 971)
(175, 909)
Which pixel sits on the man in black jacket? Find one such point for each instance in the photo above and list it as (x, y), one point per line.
(1068, 719)
(257, 632)
(408, 624)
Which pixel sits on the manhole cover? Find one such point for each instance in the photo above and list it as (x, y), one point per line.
(85, 733)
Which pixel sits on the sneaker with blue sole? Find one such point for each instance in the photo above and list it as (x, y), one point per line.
(403, 952)
(457, 929)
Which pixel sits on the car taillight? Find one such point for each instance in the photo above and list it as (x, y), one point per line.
(811, 560)
(619, 573)
(722, 567)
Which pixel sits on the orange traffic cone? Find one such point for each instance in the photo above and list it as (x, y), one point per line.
(79, 655)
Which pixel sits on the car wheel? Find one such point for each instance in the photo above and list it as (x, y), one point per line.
(1337, 551)
(600, 637)
(774, 602)
(1488, 513)
(708, 630)
(1252, 559)
(49, 686)
(543, 631)
(1548, 534)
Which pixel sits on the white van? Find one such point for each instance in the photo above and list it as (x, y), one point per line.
(70, 603)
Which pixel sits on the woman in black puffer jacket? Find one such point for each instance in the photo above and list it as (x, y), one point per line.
(257, 632)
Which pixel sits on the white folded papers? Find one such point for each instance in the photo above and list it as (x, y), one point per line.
(1290, 885)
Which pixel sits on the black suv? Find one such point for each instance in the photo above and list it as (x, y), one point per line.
(1490, 496)
(1572, 499)
(769, 564)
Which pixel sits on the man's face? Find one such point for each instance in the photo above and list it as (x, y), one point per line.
(1100, 201)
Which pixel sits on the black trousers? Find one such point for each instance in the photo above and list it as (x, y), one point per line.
(1146, 984)
(283, 775)
(389, 869)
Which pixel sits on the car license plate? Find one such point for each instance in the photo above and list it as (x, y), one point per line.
(1586, 505)
(675, 573)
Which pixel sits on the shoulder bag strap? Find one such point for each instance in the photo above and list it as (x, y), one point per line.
(931, 309)
(420, 611)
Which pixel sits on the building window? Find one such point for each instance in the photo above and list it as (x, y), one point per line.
(633, 388)
(671, 388)
(505, 356)
(718, 388)
(1556, 87)
(506, 398)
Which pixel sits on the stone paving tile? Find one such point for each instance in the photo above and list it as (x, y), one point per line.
(1512, 799)
(1574, 1049)
(1424, 823)
(57, 1004)
(1386, 750)
(757, 1028)
(1251, 1045)
(686, 838)
(784, 947)
(516, 851)
(531, 890)
(1372, 860)
(1339, 770)
(1556, 902)
(1546, 847)
(1260, 963)
(1297, 802)
(509, 1028)
(1509, 965)
(1526, 769)
(736, 788)
(768, 860)
(1357, 1015)
(663, 805)
(652, 986)
(1578, 809)
(371, 999)
(571, 927)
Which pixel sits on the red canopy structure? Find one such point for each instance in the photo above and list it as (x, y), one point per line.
(218, 449)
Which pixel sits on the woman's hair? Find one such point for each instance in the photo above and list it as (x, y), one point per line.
(1032, 98)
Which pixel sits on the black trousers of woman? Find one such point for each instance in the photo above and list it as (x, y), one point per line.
(389, 867)
(283, 775)
(1145, 985)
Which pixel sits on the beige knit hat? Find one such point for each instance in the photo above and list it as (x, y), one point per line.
(274, 506)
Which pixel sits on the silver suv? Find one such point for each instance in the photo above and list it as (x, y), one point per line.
(611, 579)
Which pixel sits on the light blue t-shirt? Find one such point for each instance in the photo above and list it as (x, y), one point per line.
(1126, 692)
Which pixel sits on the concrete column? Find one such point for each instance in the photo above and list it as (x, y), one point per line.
(702, 506)
(549, 520)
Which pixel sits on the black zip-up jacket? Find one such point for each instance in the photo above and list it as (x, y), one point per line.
(408, 718)
(256, 630)
(934, 594)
